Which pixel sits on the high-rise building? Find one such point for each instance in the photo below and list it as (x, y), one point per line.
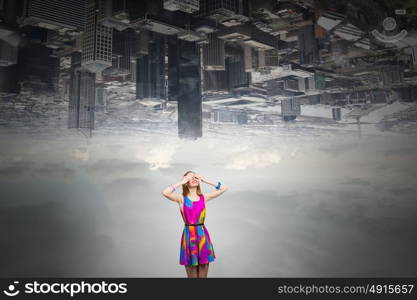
(235, 68)
(101, 99)
(123, 52)
(8, 82)
(213, 54)
(54, 15)
(157, 66)
(308, 46)
(290, 108)
(271, 58)
(9, 11)
(141, 43)
(336, 113)
(150, 70)
(8, 54)
(218, 8)
(227, 12)
(9, 42)
(249, 35)
(38, 68)
(185, 85)
(188, 6)
(234, 76)
(248, 58)
(391, 74)
(215, 81)
(97, 39)
(82, 95)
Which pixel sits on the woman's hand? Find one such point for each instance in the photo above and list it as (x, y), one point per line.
(201, 178)
(186, 178)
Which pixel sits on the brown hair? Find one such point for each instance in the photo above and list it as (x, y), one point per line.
(186, 190)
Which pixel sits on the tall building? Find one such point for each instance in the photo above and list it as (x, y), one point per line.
(235, 68)
(248, 58)
(185, 85)
(150, 69)
(188, 6)
(234, 76)
(215, 81)
(8, 79)
(391, 74)
(8, 54)
(97, 39)
(226, 12)
(218, 8)
(101, 98)
(249, 35)
(290, 108)
(143, 80)
(157, 66)
(213, 54)
(308, 46)
(54, 15)
(38, 68)
(82, 95)
(123, 52)
(9, 42)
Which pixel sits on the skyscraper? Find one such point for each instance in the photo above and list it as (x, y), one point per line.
(235, 68)
(97, 39)
(185, 84)
(122, 53)
(38, 67)
(8, 54)
(308, 46)
(188, 6)
(55, 15)
(150, 70)
(82, 95)
(213, 54)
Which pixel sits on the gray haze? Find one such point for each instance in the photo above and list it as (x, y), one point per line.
(302, 205)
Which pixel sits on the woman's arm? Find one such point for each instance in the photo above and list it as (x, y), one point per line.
(168, 192)
(215, 193)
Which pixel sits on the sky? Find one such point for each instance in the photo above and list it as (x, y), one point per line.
(298, 205)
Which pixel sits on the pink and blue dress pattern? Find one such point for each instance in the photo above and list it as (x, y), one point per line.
(196, 246)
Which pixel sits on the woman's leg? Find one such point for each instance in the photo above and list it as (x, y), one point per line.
(192, 271)
(203, 270)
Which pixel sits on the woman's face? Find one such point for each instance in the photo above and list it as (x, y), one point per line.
(194, 181)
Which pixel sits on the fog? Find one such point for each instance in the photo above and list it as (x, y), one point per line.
(298, 205)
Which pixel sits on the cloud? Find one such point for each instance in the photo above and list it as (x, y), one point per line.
(339, 149)
(177, 170)
(253, 159)
(160, 156)
(108, 170)
(294, 210)
(81, 153)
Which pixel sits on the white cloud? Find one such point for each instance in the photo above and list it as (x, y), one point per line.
(161, 156)
(253, 159)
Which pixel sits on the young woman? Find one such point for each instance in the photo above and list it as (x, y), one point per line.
(196, 251)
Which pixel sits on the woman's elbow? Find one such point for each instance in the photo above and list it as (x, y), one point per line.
(225, 188)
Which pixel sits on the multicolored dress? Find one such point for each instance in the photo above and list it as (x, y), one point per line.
(196, 247)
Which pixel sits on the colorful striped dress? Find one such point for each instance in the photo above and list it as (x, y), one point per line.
(196, 247)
